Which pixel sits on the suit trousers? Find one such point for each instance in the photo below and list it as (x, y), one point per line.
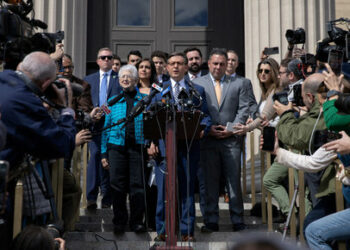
(186, 197)
(96, 175)
(222, 156)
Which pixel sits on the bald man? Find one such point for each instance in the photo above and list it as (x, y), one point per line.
(298, 134)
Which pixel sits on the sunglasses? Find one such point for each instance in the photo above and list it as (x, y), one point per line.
(266, 71)
(104, 57)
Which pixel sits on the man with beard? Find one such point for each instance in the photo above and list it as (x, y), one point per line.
(194, 58)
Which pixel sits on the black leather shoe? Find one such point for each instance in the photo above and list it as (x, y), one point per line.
(119, 229)
(106, 205)
(239, 227)
(91, 205)
(138, 228)
(210, 228)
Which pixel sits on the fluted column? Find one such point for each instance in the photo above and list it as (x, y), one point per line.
(71, 17)
(266, 22)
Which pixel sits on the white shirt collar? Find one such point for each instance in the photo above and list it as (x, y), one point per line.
(181, 82)
(108, 72)
(196, 75)
(213, 80)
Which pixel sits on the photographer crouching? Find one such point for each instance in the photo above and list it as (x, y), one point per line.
(30, 129)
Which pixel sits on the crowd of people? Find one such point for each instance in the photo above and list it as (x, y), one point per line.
(46, 112)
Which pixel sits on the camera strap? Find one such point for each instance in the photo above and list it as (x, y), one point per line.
(34, 88)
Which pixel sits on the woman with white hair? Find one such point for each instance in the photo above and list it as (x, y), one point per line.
(122, 155)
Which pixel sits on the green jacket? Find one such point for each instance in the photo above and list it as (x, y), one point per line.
(334, 121)
(296, 134)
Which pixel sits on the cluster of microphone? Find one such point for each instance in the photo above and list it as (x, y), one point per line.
(184, 97)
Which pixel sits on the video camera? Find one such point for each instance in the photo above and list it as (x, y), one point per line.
(17, 37)
(324, 136)
(295, 36)
(336, 40)
(343, 103)
(283, 96)
(82, 120)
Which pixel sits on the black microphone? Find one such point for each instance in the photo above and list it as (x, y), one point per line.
(38, 23)
(115, 99)
(183, 95)
(143, 103)
(194, 91)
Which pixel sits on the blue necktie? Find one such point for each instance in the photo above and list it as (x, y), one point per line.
(103, 90)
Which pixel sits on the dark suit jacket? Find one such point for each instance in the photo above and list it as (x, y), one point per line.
(206, 120)
(94, 81)
(113, 89)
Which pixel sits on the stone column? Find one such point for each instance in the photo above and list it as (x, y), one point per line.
(266, 22)
(71, 17)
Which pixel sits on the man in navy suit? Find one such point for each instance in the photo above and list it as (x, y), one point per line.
(177, 67)
(104, 84)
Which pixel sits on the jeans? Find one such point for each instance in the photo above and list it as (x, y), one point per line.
(322, 232)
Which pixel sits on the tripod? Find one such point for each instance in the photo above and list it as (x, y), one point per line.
(291, 208)
(45, 186)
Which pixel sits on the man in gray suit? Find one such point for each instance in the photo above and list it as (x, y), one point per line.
(232, 64)
(227, 101)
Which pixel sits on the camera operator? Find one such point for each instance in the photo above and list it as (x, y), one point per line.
(296, 134)
(81, 89)
(30, 129)
(295, 76)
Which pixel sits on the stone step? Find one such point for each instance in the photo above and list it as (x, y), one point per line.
(142, 245)
(106, 240)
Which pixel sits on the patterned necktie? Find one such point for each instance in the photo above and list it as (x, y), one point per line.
(218, 91)
(103, 90)
(176, 93)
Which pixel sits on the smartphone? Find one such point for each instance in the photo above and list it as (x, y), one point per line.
(229, 126)
(335, 59)
(4, 169)
(271, 51)
(269, 138)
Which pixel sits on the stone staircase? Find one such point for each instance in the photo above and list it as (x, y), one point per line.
(94, 230)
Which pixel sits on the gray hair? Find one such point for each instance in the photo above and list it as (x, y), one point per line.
(39, 65)
(131, 68)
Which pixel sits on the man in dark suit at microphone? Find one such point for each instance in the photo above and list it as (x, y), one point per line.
(177, 67)
(104, 84)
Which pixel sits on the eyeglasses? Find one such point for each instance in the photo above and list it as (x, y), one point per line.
(104, 57)
(281, 73)
(266, 71)
(116, 64)
(178, 63)
(128, 77)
